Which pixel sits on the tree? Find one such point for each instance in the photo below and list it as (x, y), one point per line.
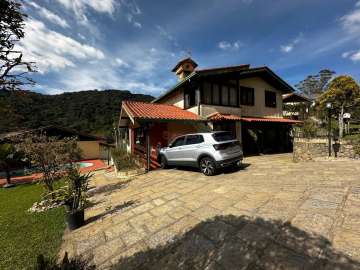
(13, 69)
(314, 85)
(51, 155)
(9, 157)
(343, 93)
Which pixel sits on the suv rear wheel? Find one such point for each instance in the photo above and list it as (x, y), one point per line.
(207, 166)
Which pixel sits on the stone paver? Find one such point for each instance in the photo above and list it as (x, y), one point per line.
(320, 199)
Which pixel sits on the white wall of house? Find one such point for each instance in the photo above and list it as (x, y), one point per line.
(176, 99)
(259, 109)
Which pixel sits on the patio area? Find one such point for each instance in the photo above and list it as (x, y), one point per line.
(271, 214)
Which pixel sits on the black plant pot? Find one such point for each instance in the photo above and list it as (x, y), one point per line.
(75, 220)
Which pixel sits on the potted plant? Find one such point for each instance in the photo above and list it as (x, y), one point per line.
(76, 198)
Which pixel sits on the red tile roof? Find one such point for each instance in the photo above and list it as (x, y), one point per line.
(220, 117)
(273, 120)
(231, 117)
(142, 110)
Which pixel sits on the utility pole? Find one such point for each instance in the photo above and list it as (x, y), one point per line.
(328, 106)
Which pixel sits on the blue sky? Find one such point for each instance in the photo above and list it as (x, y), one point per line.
(133, 44)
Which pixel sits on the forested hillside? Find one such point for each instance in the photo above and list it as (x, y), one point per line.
(90, 111)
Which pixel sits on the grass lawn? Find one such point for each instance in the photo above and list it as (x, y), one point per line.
(24, 235)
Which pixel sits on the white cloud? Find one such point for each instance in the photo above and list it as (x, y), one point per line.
(286, 48)
(130, 18)
(52, 50)
(137, 24)
(86, 79)
(120, 63)
(50, 16)
(167, 35)
(346, 54)
(351, 21)
(290, 47)
(79, 6)
(226, 45)
(352, 55)
(355, 57)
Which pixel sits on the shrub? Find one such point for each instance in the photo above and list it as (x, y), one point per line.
(355, 141)
(123, 160)
(310, 128)
(50, 155)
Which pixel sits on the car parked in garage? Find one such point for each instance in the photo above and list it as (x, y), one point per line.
(209, 151)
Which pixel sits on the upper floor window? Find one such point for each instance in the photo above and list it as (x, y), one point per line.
(220, 94)
(247, 96)
(224, 95)
(233, 96)
(270, 99)
(216, 94)
(207, 93)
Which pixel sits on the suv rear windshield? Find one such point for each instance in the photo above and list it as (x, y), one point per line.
(223, 136)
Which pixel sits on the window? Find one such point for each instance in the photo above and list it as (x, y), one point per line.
(270, 99)
(207, 93)
(194, 139)
(233, 96)
(139, 136)
(247, 96)
(224, 96)
(216, 94)
(178, 142)
(223, 136)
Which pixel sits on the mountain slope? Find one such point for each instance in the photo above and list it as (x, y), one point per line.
(90, 111)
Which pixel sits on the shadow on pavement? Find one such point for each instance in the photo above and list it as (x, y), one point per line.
(230, 242)
(113, 210)
(226, 170)
(108, 188)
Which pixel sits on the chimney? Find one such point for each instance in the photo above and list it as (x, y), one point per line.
(184, 68)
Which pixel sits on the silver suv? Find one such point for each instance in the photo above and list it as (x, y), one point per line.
(207, 151)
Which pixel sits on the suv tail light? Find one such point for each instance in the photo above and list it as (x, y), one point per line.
(221, 146)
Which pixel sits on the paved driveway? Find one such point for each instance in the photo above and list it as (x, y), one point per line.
(308, 213)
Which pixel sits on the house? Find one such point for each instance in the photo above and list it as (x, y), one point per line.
(92, 147)
(243, 100)
(296, 106)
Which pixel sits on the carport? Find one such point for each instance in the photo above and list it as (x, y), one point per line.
(267, 135)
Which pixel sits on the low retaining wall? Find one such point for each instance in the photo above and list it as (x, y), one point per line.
(310, 149)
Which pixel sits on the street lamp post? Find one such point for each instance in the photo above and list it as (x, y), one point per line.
(328, 106)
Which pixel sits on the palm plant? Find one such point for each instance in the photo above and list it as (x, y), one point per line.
(76, 197)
